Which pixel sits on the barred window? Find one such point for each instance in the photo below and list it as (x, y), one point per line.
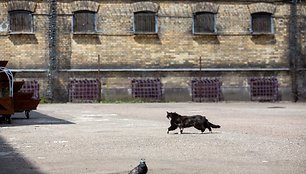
(84, 21)
(21, 21)
(145, 22)
(204, 22)
(262, 23)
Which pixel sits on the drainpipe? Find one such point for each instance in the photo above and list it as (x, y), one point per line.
(293, 50)
(52, 64)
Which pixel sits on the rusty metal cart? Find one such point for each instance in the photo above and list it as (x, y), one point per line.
(11, 98)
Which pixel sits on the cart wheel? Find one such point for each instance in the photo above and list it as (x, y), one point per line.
(7, 119)
(1, 119)
(27, 114)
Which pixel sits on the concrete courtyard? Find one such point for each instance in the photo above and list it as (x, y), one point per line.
(254, 138)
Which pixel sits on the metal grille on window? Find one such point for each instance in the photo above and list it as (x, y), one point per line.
(204, 22)
(147, 89)
(264, 89)
(84, 21)
(20, 21)
(206, 90)
(84, 90)
(261, 23)
(31, 87)
(144, 22)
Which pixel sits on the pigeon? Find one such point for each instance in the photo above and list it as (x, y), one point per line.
(140, 169)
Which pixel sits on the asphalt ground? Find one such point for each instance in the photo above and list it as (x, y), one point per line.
(254, 138)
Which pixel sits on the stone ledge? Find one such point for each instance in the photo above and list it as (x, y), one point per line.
(175, 69)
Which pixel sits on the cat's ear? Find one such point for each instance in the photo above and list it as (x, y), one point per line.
(167, 112)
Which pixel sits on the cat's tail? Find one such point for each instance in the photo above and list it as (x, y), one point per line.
(213, 125)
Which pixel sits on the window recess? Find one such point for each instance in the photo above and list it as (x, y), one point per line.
(84, 22)
(21, 22)
(262, 23)
(204, 23)
(145, 22)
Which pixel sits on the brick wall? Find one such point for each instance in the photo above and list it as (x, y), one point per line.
(24, 51)
(175, 46)
(172, 55)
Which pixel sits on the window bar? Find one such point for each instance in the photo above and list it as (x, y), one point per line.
(156, 24)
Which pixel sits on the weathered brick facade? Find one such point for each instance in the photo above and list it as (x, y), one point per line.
(233, 54)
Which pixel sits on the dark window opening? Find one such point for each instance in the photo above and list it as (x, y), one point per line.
(84, 21)
(21, 21)
(145, 22)
(262, 23)
(204, 22)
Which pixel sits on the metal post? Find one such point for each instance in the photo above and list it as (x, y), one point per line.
(99, 64)
(293, 50)
(52, 64)
(200, 64)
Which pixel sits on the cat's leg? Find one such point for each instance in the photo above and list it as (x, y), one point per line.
(199, 127)
(203, 130)
(171, 128)
(181, 129)
(209, 128)
(206, 125)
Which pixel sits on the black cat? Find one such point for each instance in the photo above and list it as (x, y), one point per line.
(197, 121)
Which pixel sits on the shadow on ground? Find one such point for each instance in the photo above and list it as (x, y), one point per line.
(11, 160)
(36, 118)
(195, 133)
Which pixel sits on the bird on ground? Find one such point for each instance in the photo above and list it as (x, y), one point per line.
(140, 169)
